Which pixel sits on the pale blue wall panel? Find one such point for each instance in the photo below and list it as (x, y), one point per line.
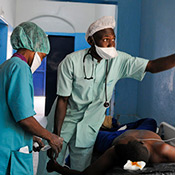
(156, 96)
(128, 40)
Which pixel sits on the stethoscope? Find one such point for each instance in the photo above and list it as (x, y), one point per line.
(106, 103)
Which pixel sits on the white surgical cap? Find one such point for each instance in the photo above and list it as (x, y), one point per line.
(100, 24)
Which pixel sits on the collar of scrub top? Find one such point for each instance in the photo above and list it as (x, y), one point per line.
(19, 56)
(106, 103)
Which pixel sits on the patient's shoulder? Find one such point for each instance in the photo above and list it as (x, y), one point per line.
(166, 152)
(160, 147)
(166, 149)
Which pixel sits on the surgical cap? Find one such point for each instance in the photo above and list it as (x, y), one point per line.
(100, 24)
(29, 36)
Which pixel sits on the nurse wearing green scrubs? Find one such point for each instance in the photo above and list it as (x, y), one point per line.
(17, 124)
(84, 87)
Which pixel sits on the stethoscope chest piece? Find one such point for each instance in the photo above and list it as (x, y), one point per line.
(106, 104)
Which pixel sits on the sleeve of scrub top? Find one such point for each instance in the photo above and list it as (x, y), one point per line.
(20, 92)
(132, 67)
(65, 77)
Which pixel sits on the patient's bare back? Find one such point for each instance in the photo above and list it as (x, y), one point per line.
(136, 134)
(159, 151)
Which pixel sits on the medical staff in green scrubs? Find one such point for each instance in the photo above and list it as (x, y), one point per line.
(17, 124)
(85, 83)
(82, 98)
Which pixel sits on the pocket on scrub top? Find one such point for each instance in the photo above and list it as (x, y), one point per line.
(4, 162)
(81, 82)
(83, 88)
(91, 135)
(21, 163)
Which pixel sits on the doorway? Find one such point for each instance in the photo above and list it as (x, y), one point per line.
(60, 47)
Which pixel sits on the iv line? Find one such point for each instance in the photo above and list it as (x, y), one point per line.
(160, 139)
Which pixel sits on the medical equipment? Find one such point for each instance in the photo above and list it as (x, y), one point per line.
(106, 52)
(168, 140)
(106, 103)
(166, 132)
(84, 69)
(45, 148)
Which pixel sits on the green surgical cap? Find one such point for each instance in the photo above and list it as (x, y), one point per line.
(29, 36)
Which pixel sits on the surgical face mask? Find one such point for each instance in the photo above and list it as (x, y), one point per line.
(36, 62)
(106, 52)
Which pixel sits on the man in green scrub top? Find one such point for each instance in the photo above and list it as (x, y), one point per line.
(17, 124)
(83, 94)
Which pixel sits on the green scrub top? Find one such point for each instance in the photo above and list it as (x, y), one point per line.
(16, 103)
(85, 110)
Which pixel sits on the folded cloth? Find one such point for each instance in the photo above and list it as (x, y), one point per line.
(134, 165)
(122, 128)
(24, 149)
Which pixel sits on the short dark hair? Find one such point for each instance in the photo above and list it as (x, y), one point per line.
(134, 151)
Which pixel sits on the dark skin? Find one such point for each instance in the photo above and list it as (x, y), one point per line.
(30, 124)
(106, 38)
(61, 112)
(40, 144)
(29, 55)
(159, 152)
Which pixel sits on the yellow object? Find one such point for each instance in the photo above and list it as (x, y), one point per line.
(136, 164)
(107, 122)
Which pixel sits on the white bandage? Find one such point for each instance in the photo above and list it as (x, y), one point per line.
(134, 165)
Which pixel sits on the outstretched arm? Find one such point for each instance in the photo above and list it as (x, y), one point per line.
(161, 64)
(99, 167)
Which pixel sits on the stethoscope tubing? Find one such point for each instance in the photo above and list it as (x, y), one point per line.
(106, 103)
(84, 69)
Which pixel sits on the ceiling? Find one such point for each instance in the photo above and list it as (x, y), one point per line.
(91, 1)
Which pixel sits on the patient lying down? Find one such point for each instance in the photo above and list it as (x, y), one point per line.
(134, 145)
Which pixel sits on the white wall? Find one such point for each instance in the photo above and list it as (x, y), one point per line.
(8, 10)
(52, 16)
(55, 16)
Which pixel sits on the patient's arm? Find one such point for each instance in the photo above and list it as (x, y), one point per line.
(103, 163)
(99, 167)
(54, 166)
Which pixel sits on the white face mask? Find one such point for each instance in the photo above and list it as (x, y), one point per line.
(106, 52)
(36, 62)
